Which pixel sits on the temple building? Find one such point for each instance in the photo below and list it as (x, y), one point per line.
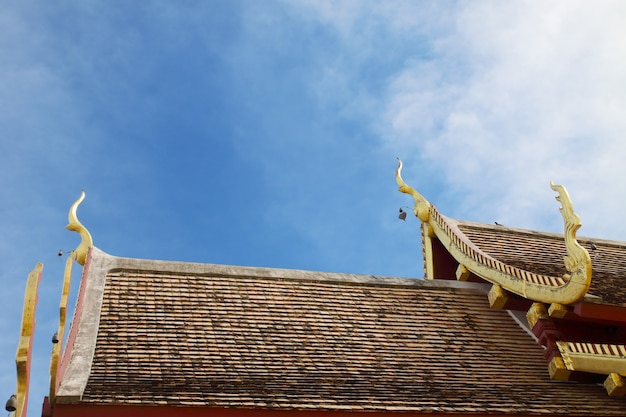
(506, 321)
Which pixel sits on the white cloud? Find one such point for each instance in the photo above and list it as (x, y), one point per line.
(496, 98)
(518, 94)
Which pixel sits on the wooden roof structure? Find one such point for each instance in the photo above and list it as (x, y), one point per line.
(507, 321)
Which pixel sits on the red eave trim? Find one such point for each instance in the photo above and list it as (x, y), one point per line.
(611, 314)
(67, 410)
(69, 345)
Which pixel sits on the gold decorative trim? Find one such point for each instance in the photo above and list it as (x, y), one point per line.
(577, 261)
(428, 234)
(565, 290)
(597, 358)
(80, 253)
(615, 385)
(536, 312)
(462, 273)
(22, 357)
(57, 346)
(557, 310)
(497, 297)
(558, 370)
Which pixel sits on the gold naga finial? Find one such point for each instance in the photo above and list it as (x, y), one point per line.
(577, 258)
(422, 206)
(80, 253)
(564, 290)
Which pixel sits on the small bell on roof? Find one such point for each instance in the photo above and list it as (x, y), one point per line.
(402, 215)
(11, 404)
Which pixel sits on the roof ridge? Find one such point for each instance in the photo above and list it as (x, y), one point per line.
(532, 232)
(162, 267)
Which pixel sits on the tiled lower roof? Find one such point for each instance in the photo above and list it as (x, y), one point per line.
(543, 253)
(216, 336)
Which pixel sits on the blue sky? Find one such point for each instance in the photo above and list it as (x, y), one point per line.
(265, 133)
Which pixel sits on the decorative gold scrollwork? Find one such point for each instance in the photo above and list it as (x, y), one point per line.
(577, 259)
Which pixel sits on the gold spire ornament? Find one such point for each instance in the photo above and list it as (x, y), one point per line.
(80, 253)
(422, 206)
(577, 259)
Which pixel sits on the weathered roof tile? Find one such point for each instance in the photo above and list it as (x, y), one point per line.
(543, 253)
(302, 340)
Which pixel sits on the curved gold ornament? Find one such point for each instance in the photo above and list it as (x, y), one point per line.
(568, 289)
(577, 259)
(80, 253)
(422, 207)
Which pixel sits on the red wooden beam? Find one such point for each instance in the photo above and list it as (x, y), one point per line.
(81, 410)
(609, 314)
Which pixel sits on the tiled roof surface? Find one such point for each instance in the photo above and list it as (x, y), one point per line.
(275, 342)
(543, 253)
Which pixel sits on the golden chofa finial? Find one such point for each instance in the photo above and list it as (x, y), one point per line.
(80, 253)
(577, 259)
(422, 206)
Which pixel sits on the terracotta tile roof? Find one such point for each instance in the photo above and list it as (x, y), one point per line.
(543, 253)
(210, 335)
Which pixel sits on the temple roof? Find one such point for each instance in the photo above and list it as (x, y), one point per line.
(579, 321)
(543, 253)
(182, 334)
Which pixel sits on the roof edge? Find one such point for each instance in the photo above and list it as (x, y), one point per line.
(114, 263)
(84, 330)
(539, 233)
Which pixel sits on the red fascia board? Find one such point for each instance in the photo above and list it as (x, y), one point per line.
(81, 410)
(610, 314)
(67, 353)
